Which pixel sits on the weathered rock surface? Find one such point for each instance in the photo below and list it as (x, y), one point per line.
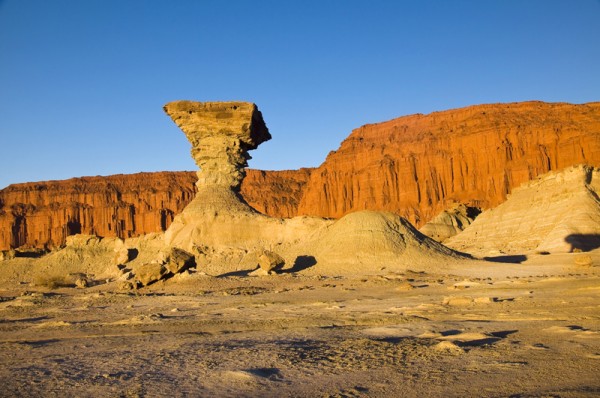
(556, 212)
(269, 261)
(179, 260)
(450, 222)
(370, 242)
(149, 273)
(221, 134)
(416, 165)
(44, 214)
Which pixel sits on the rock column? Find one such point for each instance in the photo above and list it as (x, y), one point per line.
(221, 134)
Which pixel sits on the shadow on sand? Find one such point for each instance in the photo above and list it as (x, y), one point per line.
(301, 263)
(583, 242)
(513, 259)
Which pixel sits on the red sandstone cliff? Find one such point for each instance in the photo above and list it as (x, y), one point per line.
(43, 214)
(413, 166)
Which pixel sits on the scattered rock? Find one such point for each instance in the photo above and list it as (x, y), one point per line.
(179, 260)
(121, 257)
(81, 282)
(583, 260)
(448, 347)
(125, 276)
(270, 261)
(7, 255)
(147, 274)
(405, 286)
(127, 285)
(458, 301)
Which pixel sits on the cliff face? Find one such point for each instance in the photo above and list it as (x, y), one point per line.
(415, 165)
(43, 214)
(275, 193)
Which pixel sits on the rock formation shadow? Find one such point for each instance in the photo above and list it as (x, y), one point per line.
(241, 273)
(512, 259)
(301, 263)
(583, 242)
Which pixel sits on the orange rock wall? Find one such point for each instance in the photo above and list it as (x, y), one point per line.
(415, 165)
(43, 214)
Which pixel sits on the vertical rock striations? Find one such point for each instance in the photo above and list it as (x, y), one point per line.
(417, 165)
(43, 214)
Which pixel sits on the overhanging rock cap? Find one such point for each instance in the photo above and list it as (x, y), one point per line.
(236, 119)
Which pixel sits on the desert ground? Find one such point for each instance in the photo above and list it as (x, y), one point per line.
(486, 329)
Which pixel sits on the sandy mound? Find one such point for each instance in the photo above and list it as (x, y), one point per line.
(370, 242)
(557, 212)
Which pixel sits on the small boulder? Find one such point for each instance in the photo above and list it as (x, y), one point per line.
(121, 257)
(7, 255)
(81, 282)
(150, 273)
(270, 261)
(448, 347)
(124, 255)
(179, 260)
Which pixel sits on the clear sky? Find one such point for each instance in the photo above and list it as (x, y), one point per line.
(83, 82)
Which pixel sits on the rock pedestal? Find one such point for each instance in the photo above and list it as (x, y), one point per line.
(221, 134)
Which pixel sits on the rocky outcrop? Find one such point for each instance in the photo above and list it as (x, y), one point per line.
(556, 212)
(450, 222)
(416, 165)
(221, 134)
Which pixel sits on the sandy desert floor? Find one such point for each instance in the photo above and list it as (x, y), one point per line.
(508, 330)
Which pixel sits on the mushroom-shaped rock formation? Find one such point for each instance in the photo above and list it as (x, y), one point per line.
(221, 134)
(223, 231)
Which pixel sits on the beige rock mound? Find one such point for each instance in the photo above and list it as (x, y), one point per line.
(450, 222)
(557, 212)
(369, 242)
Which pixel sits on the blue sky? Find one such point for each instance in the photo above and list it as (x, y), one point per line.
(82, 83)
